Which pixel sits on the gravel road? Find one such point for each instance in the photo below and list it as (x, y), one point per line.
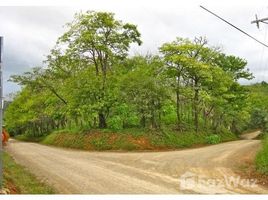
(206, 170)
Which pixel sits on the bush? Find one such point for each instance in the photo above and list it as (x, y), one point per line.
(132, 121)
(169, 114)
(213, 139)
(115, 123)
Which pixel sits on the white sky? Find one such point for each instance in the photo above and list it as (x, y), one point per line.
(30, 32)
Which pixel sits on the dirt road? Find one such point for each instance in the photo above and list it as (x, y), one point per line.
(201, 170)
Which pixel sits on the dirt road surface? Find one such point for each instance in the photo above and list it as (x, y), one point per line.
(250, 136)
(206, 170)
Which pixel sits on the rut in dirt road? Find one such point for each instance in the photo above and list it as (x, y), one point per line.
(73, 171)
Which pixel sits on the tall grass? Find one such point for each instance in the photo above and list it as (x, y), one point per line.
(262, 157)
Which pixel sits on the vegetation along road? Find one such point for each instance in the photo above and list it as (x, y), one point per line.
(73, 171)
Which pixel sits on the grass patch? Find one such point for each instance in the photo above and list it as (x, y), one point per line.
(174, 140)
(96, 140)
(132, 139)
(262, 157)
(19, 180)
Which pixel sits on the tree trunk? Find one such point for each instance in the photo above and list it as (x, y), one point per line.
(95, 122)
(205, 118)
(178, 108)
(143, 121)
(196, 97)
(102, 121)
(153, 120)
(178, 103)
(159, 118)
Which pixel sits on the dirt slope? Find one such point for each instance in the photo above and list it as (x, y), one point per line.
(73, 171)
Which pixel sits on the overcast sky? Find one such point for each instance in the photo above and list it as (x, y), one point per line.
(30, 32)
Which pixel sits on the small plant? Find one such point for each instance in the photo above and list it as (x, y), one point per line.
(213, 139)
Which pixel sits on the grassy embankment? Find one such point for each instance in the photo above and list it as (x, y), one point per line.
(262, 157)
(18, 180)
(130, 139)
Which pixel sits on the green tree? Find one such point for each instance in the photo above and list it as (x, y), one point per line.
(144, 88)
(189, 63)
(101, 40)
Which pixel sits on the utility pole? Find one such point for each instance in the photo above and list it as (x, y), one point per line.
(1, 112)
(258, 21)
(237, 28)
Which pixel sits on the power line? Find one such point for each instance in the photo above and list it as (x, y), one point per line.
(234, 26)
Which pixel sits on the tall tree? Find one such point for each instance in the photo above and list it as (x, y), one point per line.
(101, 40)
(192, 61)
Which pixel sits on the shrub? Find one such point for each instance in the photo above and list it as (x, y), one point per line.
(115, 123)
(169, 114)
(132, 121)
(213, 139)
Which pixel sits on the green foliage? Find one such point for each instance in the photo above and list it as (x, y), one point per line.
(169, 114)
(213, 139)
(144, 90)
(262, 158)
(234, 65)
(90, 82)
(258, 106)
(259, 118)
(22, 179)
(101, 42)
(115, 123)
(204, 79)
